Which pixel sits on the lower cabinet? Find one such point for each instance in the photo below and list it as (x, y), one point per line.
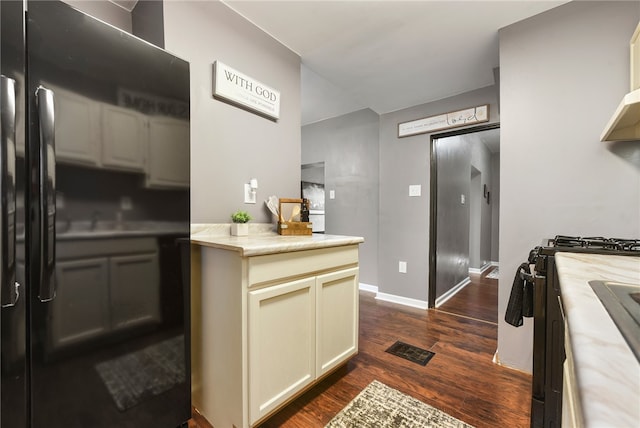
(298, 332)
(80, 310)
(134, 290)
(103, 287)
(282, 345)
(337, 319)
(266, 328)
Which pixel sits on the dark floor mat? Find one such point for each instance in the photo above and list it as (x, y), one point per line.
(411, 353)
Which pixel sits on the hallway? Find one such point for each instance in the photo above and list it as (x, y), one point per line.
(478, 300)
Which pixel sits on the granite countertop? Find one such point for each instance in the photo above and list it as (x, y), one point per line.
(263, 240)
(607, 372)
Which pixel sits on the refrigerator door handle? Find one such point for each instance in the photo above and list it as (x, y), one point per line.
(47, 187)
(9, 288)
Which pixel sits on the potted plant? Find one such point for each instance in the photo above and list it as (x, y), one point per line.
(239, 227)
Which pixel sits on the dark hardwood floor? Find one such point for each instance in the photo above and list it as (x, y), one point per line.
(460, 379)
(478, 300)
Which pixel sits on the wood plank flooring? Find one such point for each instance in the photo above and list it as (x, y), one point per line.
(478, 300)
(460, 379)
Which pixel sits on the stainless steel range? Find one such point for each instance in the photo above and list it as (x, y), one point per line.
(548, 334)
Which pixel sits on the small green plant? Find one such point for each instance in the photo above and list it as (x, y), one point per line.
(240, 217)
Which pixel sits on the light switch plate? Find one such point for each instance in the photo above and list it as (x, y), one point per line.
(415, 190)
(462, 199)
(402, 267)
(332, 194)
(249, 195)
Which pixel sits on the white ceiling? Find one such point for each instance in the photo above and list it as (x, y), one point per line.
(387, 54)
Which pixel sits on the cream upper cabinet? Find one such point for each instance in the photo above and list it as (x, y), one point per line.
(77, 128)
(124, 132)
(168, 153)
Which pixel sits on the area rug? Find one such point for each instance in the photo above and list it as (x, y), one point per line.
(380, 406)
(148, 372)
(494, 274)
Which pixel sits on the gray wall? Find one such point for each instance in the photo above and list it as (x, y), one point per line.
(348, 146)
(404, 220)
(229, 146)
(562, 74)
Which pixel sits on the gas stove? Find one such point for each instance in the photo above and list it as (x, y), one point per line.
(592, 244)
(548, 328)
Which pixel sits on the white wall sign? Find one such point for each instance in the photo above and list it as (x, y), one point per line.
(240, 89)
(445, 121)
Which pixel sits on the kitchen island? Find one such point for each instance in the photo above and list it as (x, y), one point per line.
(601, 373)
(271, 316)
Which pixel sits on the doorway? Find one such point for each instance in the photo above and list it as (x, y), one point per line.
(464, 221)
(312, 188)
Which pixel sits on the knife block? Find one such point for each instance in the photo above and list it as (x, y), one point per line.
(292, 228)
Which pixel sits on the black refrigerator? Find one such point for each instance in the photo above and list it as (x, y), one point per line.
(94, 170)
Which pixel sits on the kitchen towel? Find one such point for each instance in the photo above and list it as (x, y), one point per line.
(521, 298)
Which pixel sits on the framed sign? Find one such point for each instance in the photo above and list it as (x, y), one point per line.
(244, 91)
(443, 121)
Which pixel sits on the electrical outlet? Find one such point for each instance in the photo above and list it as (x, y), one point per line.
(249, 194)
(402, 267)
(415, 190)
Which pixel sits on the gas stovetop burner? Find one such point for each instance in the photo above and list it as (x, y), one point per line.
(596, 243)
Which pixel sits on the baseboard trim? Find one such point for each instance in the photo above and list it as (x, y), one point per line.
(406, 301)
(483, 268)
(368, 287)
(450, 293)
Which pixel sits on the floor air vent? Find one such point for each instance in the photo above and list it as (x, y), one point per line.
(411, 353)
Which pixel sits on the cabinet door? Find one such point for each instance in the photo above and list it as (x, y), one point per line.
(77, 128)
(124, 133)
(168, 153)
(337, 318)
(80, 310)
(281, 344)
(135, 290)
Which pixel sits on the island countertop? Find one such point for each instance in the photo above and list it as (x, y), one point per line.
(606, 370)
(263, 240)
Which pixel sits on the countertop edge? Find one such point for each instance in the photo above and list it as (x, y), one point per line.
(248, 246)
(604, 364)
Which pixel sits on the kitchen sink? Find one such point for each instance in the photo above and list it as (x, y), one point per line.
(622, 302)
